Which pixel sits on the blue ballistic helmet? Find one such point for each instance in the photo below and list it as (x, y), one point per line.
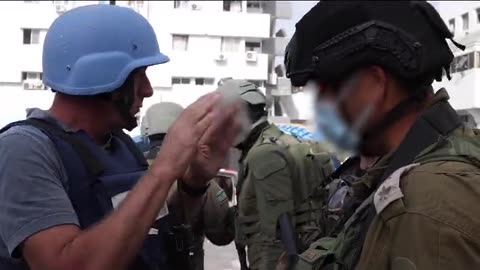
(92, 49)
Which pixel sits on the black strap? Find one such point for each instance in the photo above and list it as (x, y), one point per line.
(435, 123)
(343, 167)
(289, 239)
(50, 129)
(128, 141)
(242, 256)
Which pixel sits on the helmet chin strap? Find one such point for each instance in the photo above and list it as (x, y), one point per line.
(245, 133)
(259, 121)
(124, 104)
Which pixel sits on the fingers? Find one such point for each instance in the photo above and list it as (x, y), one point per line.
(206, 122)
(224, 122)
(203, 106)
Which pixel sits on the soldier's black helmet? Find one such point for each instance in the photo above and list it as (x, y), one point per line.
(406, 38)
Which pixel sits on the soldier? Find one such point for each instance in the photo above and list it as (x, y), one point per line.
(278, 204)
(195, 211)
(372, 69)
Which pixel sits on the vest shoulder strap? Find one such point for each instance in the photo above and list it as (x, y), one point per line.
(51, 130)
(128, 141)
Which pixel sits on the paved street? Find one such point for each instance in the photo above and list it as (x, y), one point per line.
(221, 258)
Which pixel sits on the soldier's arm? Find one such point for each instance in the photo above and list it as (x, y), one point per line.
(213, 205)
(218, 227)
(271, 176)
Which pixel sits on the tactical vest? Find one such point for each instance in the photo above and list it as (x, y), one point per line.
(311, 165)
(95, 176)
(341, 200)
(431, 132)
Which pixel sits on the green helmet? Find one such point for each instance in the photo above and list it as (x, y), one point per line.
(247, 91)
(159, 117)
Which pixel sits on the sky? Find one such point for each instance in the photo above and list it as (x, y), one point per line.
(299, 8)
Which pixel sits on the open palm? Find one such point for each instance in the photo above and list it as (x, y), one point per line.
(214, 146)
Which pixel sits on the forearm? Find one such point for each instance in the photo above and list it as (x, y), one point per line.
(114, 242)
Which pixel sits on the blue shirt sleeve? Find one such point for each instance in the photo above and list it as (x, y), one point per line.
(33, 196)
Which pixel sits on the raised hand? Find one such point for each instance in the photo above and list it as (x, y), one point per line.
(180, 145)
(213, 147)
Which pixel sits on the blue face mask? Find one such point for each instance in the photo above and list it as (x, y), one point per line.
(333, 126)
(330, 124)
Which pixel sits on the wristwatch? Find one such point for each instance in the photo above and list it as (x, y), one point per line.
(192, 191)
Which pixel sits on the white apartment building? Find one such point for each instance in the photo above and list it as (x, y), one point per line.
(205, 40)
(463, 19)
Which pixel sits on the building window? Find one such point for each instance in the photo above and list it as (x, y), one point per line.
(32, 81)
(135, 3)
(230, 44)
(204, 81)
(180, 4)
(233, 6)
(477, 60)
(26, 75)
(451, 25)
(180, 80)
(253, 46)
(31, 36)
(463, 62)
(253, 4)
(465, 21)
(180, 42)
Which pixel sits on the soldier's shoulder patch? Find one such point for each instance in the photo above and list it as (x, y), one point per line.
(389, 191)
(311, 255)
(221, 196)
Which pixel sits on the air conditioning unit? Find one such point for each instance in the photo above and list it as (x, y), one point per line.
(195, 7)
(221, 57)
(27, 86)
(60, 8)
(251, 56)
(33, 85)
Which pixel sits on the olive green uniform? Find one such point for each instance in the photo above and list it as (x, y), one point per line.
(426, 213)
(274, 181)
(206, 214)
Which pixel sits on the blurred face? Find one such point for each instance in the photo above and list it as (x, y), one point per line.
(129, 99)
(346, 110)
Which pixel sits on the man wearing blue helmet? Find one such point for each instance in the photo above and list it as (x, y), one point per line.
(75, 192)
